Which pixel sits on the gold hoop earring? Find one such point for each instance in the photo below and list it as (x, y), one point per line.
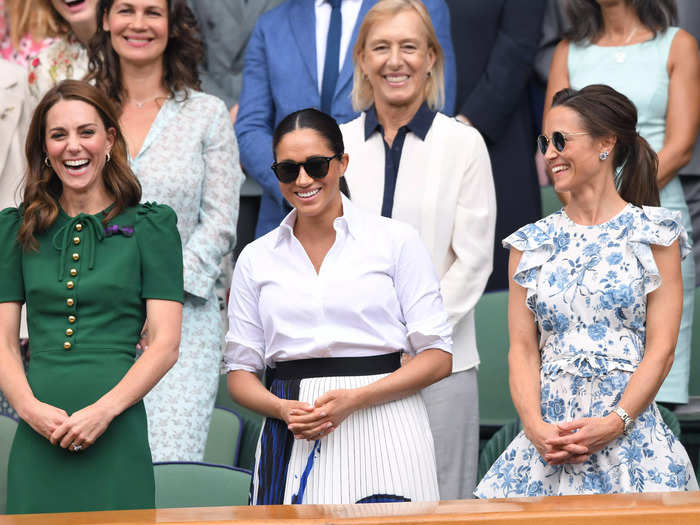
(46, 161)
(109, 157)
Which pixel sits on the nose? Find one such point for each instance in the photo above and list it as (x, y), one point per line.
(137, 22)
(303, 179)
(73, 143)
(394, 57)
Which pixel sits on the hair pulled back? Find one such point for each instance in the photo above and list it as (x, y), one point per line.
(324, 125)
(43, 187)
(606, 112)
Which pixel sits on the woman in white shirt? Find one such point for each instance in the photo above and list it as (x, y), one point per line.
(433, 172)
(328, 301)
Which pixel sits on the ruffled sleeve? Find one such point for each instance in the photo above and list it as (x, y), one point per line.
(537, 245)
(161, 253)
(11, 278)
(655, 225)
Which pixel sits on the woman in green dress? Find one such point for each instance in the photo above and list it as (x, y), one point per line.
(91, 263)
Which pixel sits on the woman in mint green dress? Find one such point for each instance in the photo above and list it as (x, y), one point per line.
(632, 47)
(90, 263)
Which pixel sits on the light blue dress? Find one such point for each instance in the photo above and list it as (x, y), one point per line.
(640, 72)
(587, 288)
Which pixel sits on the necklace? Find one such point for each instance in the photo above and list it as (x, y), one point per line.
(621, 56)
(140, 104)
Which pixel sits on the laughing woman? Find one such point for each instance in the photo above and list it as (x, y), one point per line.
(329, 300)
(182, 149)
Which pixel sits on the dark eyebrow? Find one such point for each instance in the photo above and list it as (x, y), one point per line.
(82, 126)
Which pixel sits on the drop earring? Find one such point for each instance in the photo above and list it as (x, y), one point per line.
(604, 155)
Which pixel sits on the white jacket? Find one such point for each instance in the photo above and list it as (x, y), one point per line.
(444, 189)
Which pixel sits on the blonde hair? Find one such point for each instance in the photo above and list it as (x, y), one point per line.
(362, 94)
(35, 18)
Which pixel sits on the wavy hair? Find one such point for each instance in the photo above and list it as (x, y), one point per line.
(43, 187)
(362, 94)
(37, 18)
(183, 53)
(606, 112)
(586, 18)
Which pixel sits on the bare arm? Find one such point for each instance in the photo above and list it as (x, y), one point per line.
(164, 324)
(683, 111)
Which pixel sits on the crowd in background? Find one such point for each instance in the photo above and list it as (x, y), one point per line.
(202, 85)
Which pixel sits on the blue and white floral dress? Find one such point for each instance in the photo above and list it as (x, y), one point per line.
(587, 287)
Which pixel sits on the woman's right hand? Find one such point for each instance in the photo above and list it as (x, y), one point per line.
(539, 433)
(288, 408)
(44, 418)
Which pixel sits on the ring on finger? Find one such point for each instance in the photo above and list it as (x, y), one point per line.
(75, 447)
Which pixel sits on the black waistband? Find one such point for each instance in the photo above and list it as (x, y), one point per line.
(337, 366)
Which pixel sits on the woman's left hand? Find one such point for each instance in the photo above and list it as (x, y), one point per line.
(594, 433)
(329, 411)
(83, 427)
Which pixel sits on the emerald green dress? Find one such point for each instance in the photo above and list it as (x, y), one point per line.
(86, 290)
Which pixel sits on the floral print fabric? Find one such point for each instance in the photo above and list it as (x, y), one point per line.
(65, 58)
(587, 286)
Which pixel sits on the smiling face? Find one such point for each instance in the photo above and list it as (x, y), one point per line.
(77, 12)
(579, 162)
(311, 197)
(396, 59)
(76, 145)
(138, 30)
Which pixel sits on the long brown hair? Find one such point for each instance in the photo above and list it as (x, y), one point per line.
(182, 56)
(43, 187)
(606, 112)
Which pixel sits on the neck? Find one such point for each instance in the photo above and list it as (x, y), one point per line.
(596, 202)
(318, 226)
(393, 117)
(141, 83)
(75, 203)
(84, 31)
(619, 19)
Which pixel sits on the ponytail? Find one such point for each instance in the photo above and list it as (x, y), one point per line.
(638, 183)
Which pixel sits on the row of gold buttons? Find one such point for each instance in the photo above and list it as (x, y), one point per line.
(70, 302)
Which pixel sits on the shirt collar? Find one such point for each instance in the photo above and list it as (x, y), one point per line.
(350, 221)
(419, 124)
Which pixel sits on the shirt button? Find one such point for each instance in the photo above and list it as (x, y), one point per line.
(70, 302)
(70, 285)
(79, 227)
(76, 256)
(71, 319)
(69, 332)
(73, 272)
(67, 345)
(76, 240)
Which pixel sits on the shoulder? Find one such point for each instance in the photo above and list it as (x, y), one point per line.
(455, 129)
(275, 15)
(198, 101)
(383, 230)
(11, 215)
(10, 220)
(535, 235)
(683, 45)
(149, 213)
(354, 124)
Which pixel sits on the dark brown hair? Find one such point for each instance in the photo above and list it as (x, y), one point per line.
(43, 187)
(606, 112)
(182, 56)
(586, 19)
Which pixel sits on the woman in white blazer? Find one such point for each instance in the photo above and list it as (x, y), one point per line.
(433, 172)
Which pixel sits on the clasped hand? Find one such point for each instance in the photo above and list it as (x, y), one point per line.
(328, 411)
(574, 441)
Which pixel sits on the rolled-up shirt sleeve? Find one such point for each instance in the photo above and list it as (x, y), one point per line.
(245, 339)
(418, 290)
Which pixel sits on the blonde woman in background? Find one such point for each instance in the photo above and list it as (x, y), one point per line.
(26, 27)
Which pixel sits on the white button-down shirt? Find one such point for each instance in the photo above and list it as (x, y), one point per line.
(349, 11)
(376, 293)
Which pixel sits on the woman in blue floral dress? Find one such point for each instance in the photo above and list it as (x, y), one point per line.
(594, 310)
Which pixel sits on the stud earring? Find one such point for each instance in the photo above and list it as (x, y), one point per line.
(604, 155)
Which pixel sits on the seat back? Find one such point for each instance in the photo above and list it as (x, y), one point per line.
(496, 445)
(189, 484)
(8, 427)
(550, 200)
(224, 438)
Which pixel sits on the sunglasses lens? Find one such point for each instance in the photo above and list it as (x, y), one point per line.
(287, 171)
(542, 143)
(558, 140)
(316, 168)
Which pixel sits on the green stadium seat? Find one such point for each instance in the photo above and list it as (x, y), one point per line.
(224, 438)
(8, 426)
(200, 485)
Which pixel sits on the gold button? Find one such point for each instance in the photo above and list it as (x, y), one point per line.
(70, 284)
(67, 345)
(71, 319)
(76, 256)
(76, 240)
(79, 227)
(73, 272)
(70, 302)
(69, 332)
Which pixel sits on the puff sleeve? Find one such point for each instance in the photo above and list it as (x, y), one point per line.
(11, 278)
(537, 244)
(161, 253)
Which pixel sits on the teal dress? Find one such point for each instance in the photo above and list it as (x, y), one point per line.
(86, 289)
(640, 72)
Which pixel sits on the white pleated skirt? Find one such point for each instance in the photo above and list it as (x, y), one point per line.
(380, 454)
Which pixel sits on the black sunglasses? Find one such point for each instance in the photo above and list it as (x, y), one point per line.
(558, 140)
(315, 167)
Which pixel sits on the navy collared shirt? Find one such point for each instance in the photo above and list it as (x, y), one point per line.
(419, 125)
